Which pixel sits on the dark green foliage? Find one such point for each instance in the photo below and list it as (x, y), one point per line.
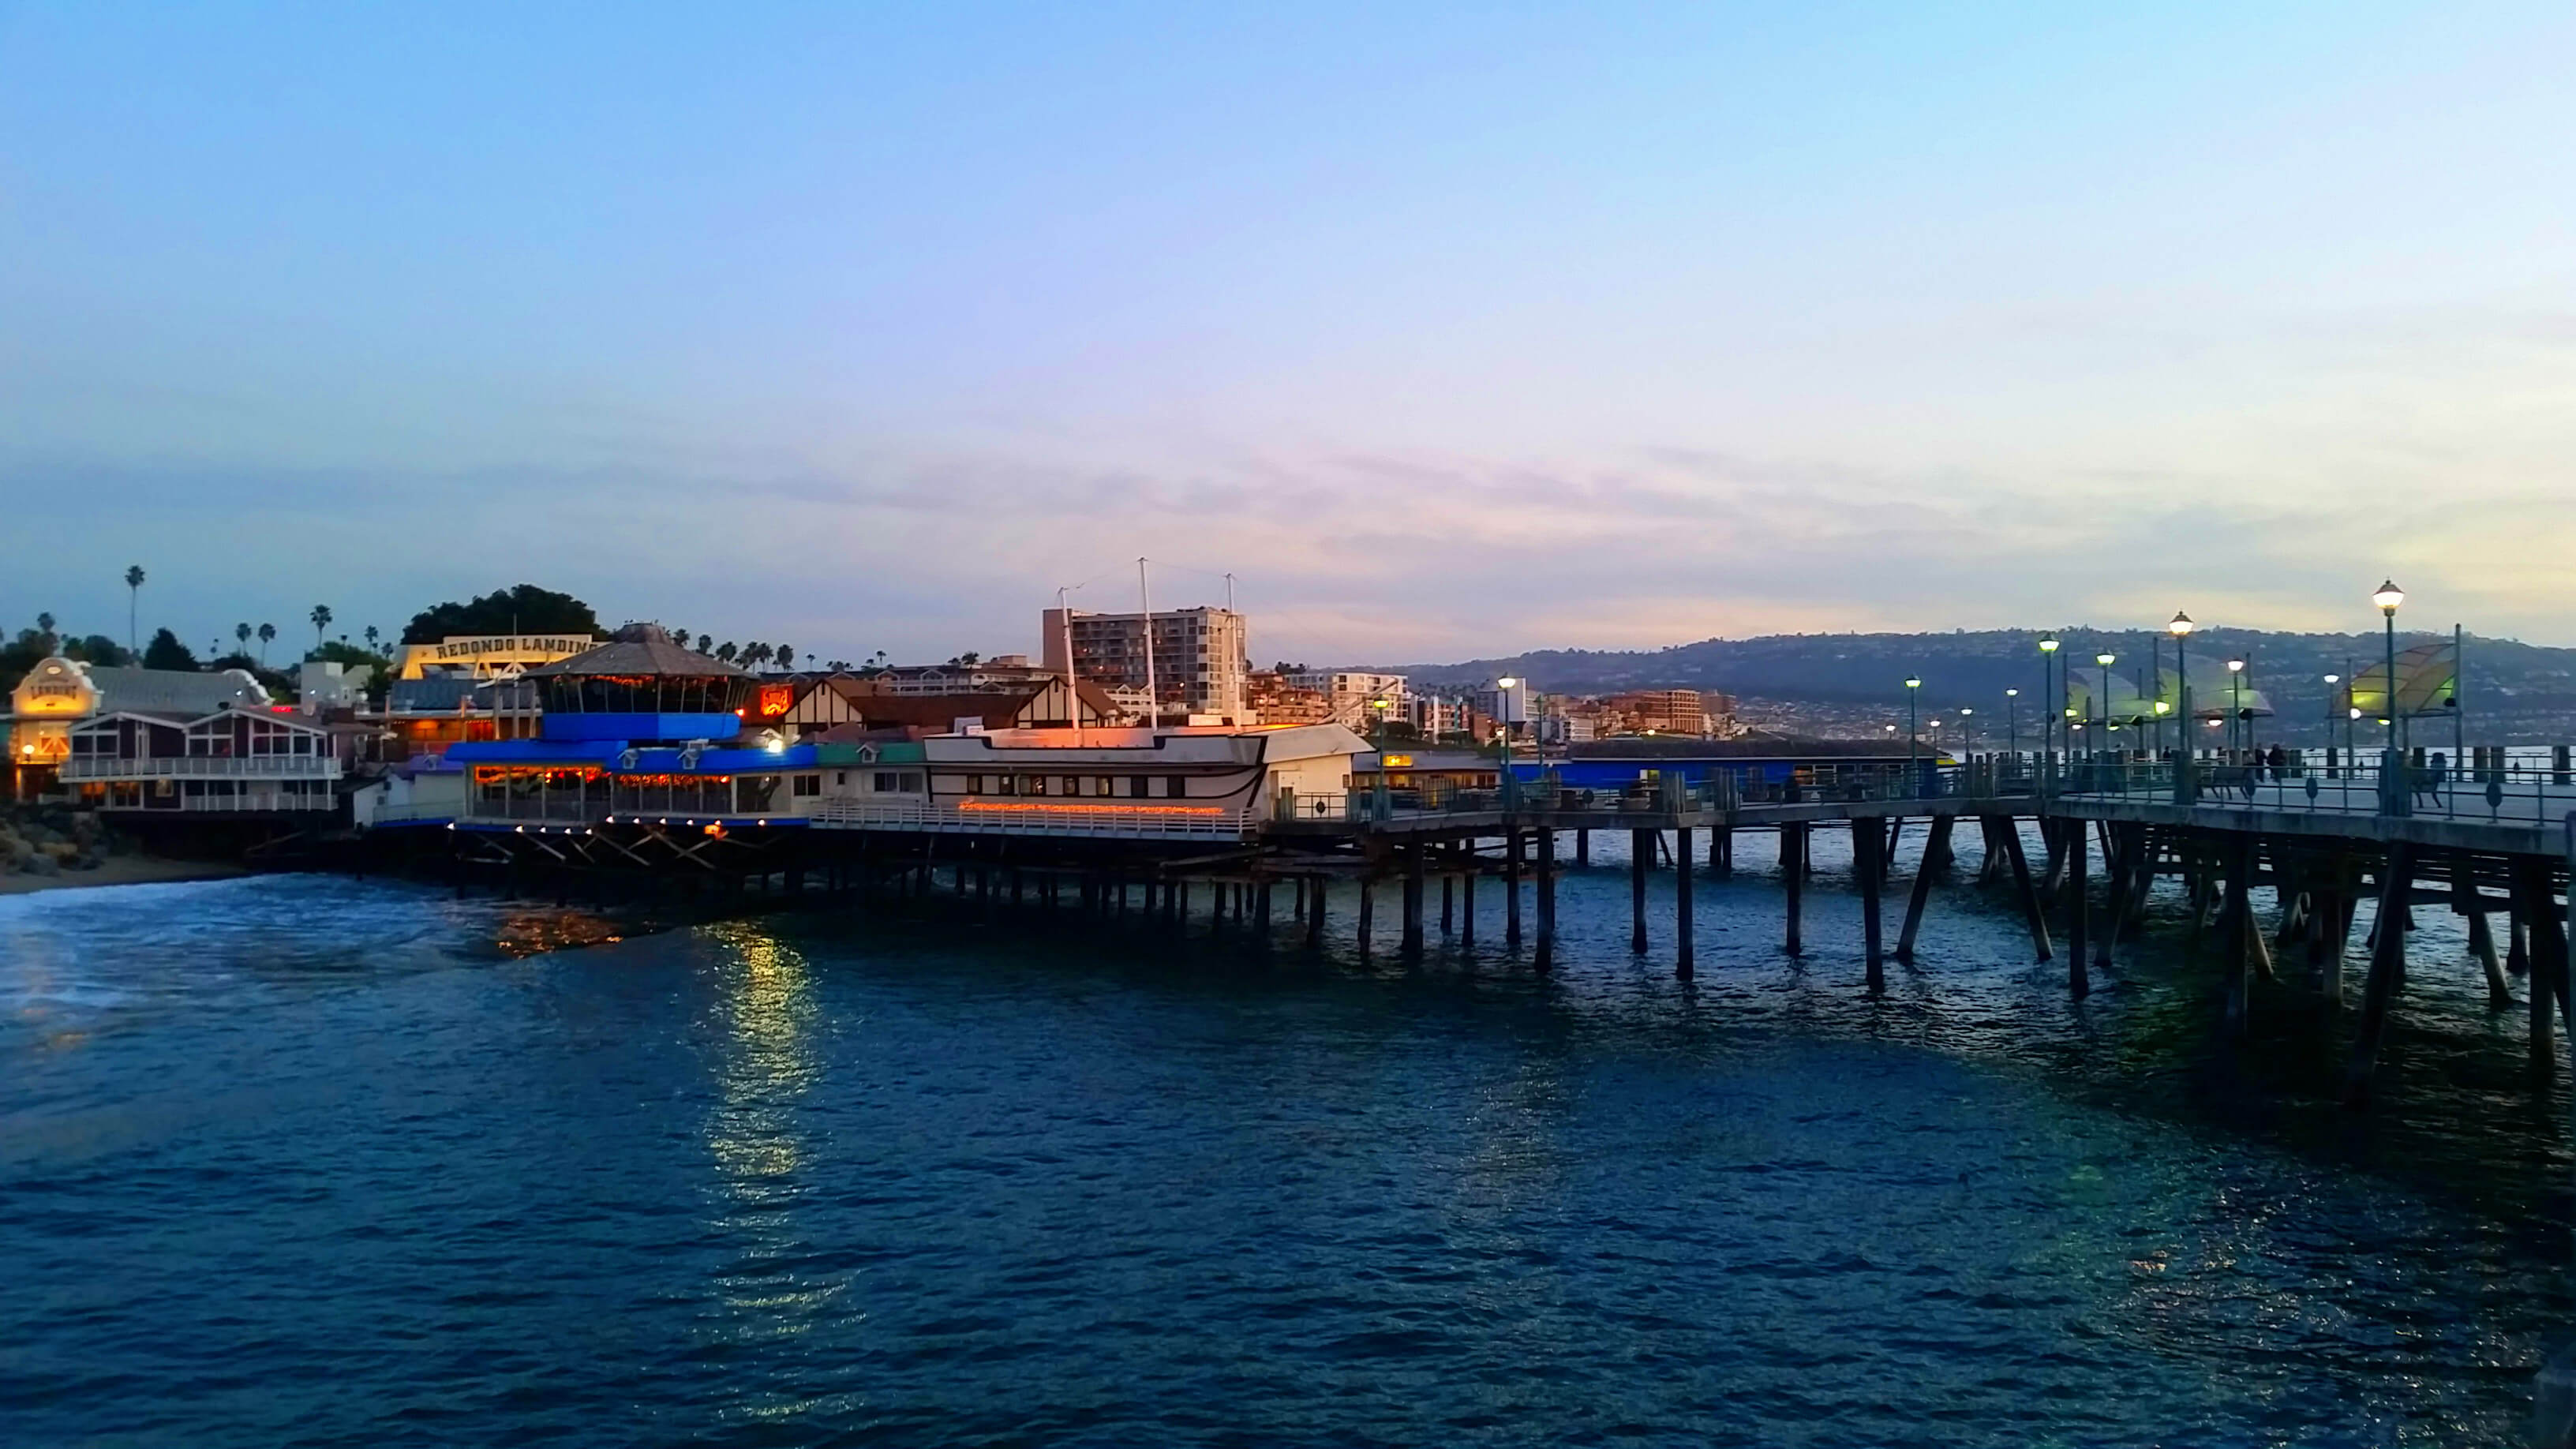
(525, 609)
(166, 652)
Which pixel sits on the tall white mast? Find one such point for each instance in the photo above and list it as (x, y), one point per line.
(1072, 676)
(1153, 700)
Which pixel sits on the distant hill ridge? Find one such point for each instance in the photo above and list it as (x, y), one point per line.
(2503, 675)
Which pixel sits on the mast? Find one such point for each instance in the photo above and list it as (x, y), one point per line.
(1153, 699)
(1072, 676)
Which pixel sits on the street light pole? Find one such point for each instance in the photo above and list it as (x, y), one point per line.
(1503, 702)
(2394, 799)
(2103, 706)
(2012, 724)
(2056, 701)
(1913, 684)
(2235, 701)
(2185, 785)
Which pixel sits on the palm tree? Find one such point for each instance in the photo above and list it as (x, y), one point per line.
(726, 651)
(753, 653)
(45, 626)
(242, 632)
(786, 656)
(266, 633)
(706, 642)
(133, 601)
(321, 617)
(373, 634)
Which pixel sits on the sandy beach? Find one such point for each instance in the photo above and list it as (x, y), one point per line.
(120, 870)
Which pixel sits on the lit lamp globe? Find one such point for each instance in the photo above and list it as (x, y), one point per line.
(2389, 597)
(2179, 625)
(2236, 666)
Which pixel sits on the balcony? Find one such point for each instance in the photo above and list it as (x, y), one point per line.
(202, 767)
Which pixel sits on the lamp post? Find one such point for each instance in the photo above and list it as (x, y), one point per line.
(2103, 706)
(1967, 729)
(1913, 685)
(2012, 724)
(2185, 787)
(2159, 745)
(2388, 598)
(2393, 796)
(1503, 701)
(2047, 651)
(1936, 740)
(2331, 681)
(2235, 701)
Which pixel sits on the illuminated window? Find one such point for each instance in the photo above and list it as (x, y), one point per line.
(1034, 785)
(1101, 784)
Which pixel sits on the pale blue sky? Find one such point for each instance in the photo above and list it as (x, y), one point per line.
(1450, 330)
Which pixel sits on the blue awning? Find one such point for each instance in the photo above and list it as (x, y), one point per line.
(607, 755)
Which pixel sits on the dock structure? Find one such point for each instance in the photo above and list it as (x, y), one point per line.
(1154, 825)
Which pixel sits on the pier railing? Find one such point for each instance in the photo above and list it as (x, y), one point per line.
(202, 767)
(2509, 793)
(1033, 817)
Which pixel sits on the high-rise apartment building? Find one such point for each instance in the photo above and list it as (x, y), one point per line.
(1353, 692)
(1201, 662)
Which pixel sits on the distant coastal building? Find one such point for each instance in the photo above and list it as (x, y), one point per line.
(60, 693)
(1275, 700)
(1353, 694)
(239, 759)
(1201, 665)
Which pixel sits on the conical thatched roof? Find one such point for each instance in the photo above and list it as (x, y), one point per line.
(637, 649)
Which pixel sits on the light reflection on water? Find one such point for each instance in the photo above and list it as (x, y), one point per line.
(941, 1179)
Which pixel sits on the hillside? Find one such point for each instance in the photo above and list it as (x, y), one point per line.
(2529, 689)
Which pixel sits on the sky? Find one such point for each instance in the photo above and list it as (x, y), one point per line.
(1448, 331)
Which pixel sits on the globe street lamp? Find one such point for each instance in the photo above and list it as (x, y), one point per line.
(2106, 660)
(2388, 598)
(2331, 681)
(1913, 686)
(2048, 651)
(2161, 707)
(1936, 740)
(2180, 627)
(2235, 700)
(1967, 729)
(2012, 723)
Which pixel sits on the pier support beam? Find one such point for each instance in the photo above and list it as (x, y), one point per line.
(2464, 899)
(1641, 853)
(1546, 900)
(2019, 859)
(2079, 910)
(1921, 894)
(1315, 913)
(1448, 903)
(2387, 973)
(1793, 877)
(1512, 886)
(2238, 935)
(1368, 914)
(1413, 894)
(1583, 847)
(1869, 849)
(1467, 902)
(1682, 947)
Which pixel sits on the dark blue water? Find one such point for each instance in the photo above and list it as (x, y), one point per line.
(302, 1161)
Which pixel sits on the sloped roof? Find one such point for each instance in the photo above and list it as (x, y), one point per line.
(637, 649)
(173, 691)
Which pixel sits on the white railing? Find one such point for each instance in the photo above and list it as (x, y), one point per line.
(999, 817)
(245, 804)
(203, 767)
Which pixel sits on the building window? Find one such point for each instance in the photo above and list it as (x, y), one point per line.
(911, 783)
(1102, 785)
(974, 784)
(1007, 785)
(1073, 784)
(884, 783)
(1175, 786)
(1035, 785)
(1136, 786)
(808, 785)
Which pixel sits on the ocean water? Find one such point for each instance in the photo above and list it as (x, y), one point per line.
(303, 1161)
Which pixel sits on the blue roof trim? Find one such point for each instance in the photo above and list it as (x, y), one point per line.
(657, 760)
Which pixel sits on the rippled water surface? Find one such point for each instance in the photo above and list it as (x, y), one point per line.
(297, 1160)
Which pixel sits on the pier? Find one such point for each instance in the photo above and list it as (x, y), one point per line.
(2274, 871)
